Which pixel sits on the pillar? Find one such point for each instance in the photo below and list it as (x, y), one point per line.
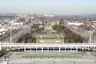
(65, 48)
(36, 49)
(24, 49)
(42, 49)
(82, 49)
(0, 47)
(94, 48)
(30, 49)
(76, 48)
(70, 48)
(88, 48)
(59, 49)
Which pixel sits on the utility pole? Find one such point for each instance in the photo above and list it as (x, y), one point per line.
(90, 36)
(10, 35)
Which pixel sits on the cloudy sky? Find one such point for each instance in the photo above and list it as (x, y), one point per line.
(48, 6)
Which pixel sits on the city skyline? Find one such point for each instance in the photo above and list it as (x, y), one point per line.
(67, 7)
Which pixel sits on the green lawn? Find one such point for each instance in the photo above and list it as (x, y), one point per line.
(51, 38)
(52, 56)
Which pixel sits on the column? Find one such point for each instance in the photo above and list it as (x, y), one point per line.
(88, 48)
(65, 48)
(30, 49)
(36, 48)
(0, 47)
(94, 48)
(59, 49)
(42, 49)
(82, 49)
(76, 48)
(24, 49)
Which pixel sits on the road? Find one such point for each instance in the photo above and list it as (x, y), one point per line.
(8, 34)
(25, 29)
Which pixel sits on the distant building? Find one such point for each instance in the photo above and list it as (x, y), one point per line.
(94, 23)
(54, 22)
(75, 23)
(38, 22)
(2, 31)
(48, 15)
(17, 23)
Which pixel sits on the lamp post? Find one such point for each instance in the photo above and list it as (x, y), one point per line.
(54, 60)
(30, 57)
(7, 59)
(74, 61)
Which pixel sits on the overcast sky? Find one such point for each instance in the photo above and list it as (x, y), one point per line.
(49, 6)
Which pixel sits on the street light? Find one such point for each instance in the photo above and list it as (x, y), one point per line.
(74, 61)
(30, 57)
(54, 60)
(7, 59)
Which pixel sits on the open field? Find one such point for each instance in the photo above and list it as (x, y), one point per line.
(52, 57)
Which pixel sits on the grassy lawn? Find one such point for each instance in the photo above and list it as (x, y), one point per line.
(53, 56)
(51, 38)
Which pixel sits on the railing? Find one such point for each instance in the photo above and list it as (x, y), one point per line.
(70, 46)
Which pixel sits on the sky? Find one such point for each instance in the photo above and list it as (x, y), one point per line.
(69, 7)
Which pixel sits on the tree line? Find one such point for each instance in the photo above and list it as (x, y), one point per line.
(69, 36)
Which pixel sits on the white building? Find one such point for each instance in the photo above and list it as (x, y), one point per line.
(38, 22)
(2, 31)
(16, 23)
(75, 23)
(4, 62)
(48, 15)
